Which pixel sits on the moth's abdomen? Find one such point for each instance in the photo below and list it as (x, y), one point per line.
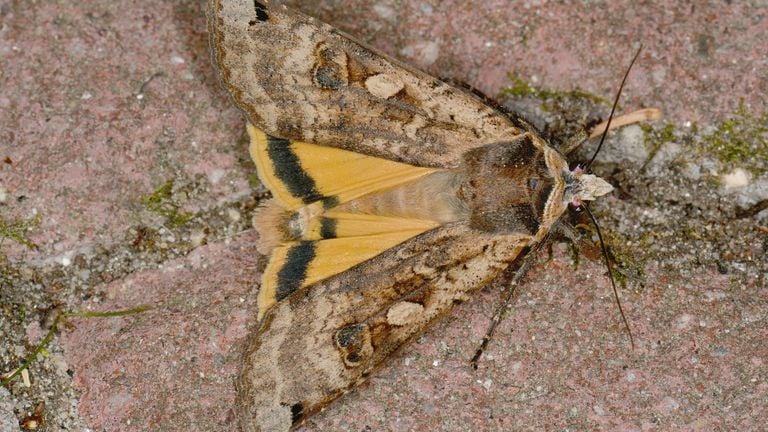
(432, 197)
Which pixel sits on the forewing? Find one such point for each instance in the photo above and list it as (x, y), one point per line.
(300, 79)
(326, 338)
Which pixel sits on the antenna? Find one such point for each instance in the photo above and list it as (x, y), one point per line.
(613, 109)
(610, 274)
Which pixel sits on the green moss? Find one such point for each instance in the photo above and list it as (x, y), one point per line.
(253, 180)
(17, 229)
(522, 88)
(741, 141)
(41, 348)
(667, 133)
(162, 202)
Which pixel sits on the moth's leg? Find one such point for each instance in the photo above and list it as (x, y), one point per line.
(525, 265)
(577, 242)
(575, 142)
(581, 244)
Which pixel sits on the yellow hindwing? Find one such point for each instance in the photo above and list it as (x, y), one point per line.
(308, 181)
(299, 173)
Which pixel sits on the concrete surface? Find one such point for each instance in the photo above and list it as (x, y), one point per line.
(124, 180)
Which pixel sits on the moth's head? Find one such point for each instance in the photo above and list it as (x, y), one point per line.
(580, 186)
(572, 187)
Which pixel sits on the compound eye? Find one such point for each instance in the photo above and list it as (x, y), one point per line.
(533, 183)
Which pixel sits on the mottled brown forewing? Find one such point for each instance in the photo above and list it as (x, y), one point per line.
(319, 344)
(298, 78)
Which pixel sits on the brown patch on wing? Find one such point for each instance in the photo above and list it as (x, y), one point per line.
(329, 71)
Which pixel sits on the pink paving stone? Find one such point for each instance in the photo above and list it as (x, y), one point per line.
(174, 365)
(85, 148)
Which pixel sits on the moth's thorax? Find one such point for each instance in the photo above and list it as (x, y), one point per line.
(514, 186)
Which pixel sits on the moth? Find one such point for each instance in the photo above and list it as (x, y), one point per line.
(395, 196)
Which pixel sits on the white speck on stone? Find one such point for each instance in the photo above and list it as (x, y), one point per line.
(631, 377)
(407, 361)
(487, 384)
(671, 404)
(233, 215)
(687, 124)
(425, 53)
(65, 261)
(140, 96)
(86, 96)
(3, 194)
(735, 179)
(683, 321)
(659, 74)
(177, 60)
(216, 175)
(436, 363)
(598, 410)
(197, 237)
(384, 11)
